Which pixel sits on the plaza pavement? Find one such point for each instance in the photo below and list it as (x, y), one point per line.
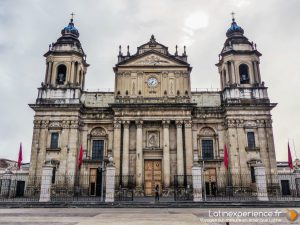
(118, 216)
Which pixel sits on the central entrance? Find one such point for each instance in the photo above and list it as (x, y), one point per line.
(152, 176)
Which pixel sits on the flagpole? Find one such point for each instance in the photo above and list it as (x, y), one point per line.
(290, 160)
(294, 148)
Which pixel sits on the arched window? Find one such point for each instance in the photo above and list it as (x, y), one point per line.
(98, 137)
(76, 72)
(80, 77)
(225, 79)
(244, 74)
(61, 74)
(207, 137)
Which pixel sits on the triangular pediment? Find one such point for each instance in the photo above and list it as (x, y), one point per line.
(152, 58)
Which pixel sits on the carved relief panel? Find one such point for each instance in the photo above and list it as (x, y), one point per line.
(153, 139)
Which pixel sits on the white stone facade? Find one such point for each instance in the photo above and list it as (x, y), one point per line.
(153, 114)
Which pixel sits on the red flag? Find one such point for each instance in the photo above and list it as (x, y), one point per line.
(20, 157)
(226, 157)
(290, 160)
(80, 157)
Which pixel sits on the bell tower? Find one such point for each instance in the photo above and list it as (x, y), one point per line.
(239, 65)
(66, 61)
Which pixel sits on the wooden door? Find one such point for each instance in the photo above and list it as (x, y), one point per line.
(210, 181)
(93, 179)
(153, 176)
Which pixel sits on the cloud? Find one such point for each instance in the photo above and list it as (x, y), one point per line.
(196, 21)
(27, 27)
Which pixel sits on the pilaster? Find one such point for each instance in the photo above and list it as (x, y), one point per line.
(166, 153)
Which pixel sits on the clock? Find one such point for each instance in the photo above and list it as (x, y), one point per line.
(152, 82)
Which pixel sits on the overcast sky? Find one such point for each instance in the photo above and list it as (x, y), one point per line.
(27, 28)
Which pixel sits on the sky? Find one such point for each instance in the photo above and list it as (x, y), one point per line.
(28, 27)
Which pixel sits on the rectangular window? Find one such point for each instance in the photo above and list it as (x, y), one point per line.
(54, 140)
(251, 139)
(207, 149)
(253, 180)
(97, 149)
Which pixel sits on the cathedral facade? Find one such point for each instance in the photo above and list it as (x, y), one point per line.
(153, 125)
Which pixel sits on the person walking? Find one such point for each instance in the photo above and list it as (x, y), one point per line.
(157, 193)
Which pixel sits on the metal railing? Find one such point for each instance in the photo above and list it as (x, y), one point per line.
(222, 187)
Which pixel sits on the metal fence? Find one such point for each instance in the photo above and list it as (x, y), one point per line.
(250, 187)
(124, 188)
(183, 188)
(220, 187)
(64, 188)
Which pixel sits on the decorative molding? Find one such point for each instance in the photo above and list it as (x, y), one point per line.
(44, 124)
(250, 124)
(152, 60)
(179, 123)
(98, 132)
(187, 123)
(207, 132)
(260, 123)
(139, 123)
(166, 123)
(65, 124)
(269, 123)
(74, 124)
(126, 124)
(55, 125)
(37, 124)
(117, 124)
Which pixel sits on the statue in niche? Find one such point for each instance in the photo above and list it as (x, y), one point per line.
(133, 88)
(171, 88)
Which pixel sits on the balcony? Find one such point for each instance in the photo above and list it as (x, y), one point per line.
(212, 159)
(142, 100)
(252, 149)
(249, 95)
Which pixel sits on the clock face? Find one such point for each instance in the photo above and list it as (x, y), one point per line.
(152, 82)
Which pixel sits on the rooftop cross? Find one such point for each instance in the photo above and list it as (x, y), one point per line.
(232, 14)
(72, 15)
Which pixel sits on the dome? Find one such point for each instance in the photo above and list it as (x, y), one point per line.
(70, 30)
(234, 29)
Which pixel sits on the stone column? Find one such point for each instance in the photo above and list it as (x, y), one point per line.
(125, 161)
(180, 170)
(261, 182)
(255, 72)
(6, 183)
(236, 75)
(166, 154)
(188, 146)
(71, 78)
(262, 142)
(110, 183)
(45, 194)
(117, 145)
(49, 72)
(74, 146)
(195, 145)
(139, 154)
(197, 182)
(258, 72)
